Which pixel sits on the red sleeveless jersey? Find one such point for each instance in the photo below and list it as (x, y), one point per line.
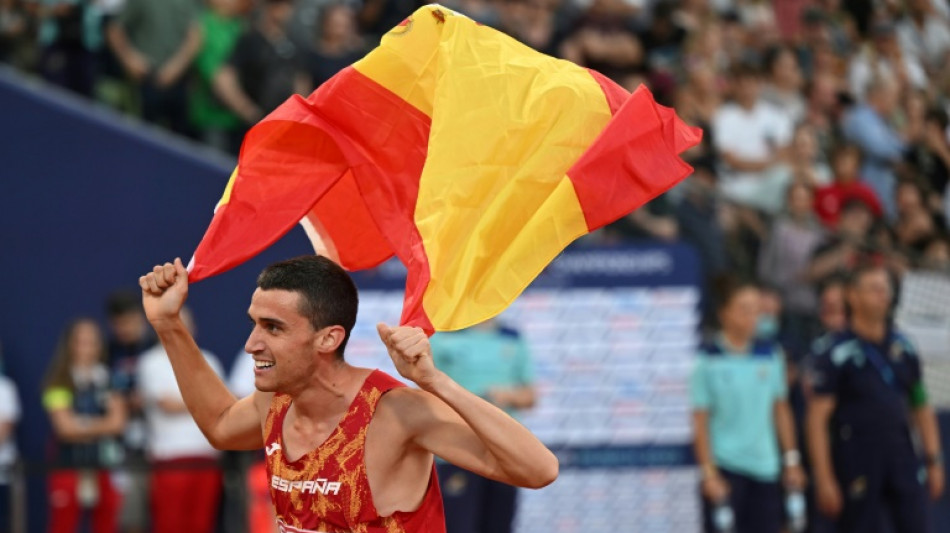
(326, 490)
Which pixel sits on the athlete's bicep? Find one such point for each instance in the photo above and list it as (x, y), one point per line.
(239, 426)
(434, 426)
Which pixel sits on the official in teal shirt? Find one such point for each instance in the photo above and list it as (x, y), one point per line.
(742, 421)
(492, 361)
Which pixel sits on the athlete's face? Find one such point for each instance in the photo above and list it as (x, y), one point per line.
(283, 342)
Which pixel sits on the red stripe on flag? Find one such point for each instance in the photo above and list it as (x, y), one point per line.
(634, 159)
(295, 155)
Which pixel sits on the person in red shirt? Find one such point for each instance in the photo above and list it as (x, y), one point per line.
(348, 448)
(829, 200)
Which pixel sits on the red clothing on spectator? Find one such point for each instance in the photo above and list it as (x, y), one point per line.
(831, 198)
(184, 495)
(67, 511)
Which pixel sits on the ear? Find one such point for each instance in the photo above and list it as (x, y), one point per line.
(330, 338)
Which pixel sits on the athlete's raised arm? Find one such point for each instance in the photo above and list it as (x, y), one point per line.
(227, 423)
(457, 425)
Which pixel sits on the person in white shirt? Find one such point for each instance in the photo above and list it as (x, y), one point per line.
(752, 138)
(925, 35)
(9, 416)
(186, 478)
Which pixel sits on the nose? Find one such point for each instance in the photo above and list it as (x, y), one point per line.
(254, 345)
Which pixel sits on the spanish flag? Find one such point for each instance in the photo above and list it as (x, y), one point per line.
(471, 157)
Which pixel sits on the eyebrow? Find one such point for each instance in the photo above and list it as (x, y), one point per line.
(267, 320)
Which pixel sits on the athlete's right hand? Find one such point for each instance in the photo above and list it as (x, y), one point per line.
(164, 291)
(828, 496)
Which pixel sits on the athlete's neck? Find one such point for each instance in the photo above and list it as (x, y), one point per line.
(868, 328)
(333, 386)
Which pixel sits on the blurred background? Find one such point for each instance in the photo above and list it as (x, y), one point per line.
(826, 146)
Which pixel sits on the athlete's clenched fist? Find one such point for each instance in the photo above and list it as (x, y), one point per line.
(411, 353)
(164, 291)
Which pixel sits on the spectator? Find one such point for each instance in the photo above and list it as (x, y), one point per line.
(533, 22)
(185, 478)
(848, 246)
(266, 67)
(930, 158)
(936, 255)
(867, 393)
(823, 109)
(156, 42)
(806, 162)
(697, 102)
(222, 23)
(742, 422)
(883, 58)
(86, 415)
(785, 258)
(13, 31)
(752, 138)
(493, 362)
(784, 86)
(698, 215)
(663, 38)
(867, 126)
(603, 41)
(131, 336)
(847, 186)
(337, 45)
(67, 44)
(9, 416)
(924, 35)
(831, 306)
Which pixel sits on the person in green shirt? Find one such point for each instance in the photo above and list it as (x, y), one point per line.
(492, 361)
(222, 23)
(741, 418)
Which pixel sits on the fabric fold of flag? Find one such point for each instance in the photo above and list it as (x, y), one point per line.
(471, 157)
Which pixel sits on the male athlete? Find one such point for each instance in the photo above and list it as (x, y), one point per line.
(348, 449)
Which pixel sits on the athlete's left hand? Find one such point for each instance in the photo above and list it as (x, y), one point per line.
(794, 477)
(935, 480)
(411, 353)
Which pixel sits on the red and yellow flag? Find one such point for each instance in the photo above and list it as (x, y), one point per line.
(471, 157)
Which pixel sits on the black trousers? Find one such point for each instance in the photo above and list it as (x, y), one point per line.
(474, 504)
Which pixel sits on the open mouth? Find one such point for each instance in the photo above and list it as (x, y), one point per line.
(263, 365)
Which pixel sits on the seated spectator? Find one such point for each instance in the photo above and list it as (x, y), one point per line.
(823, 108)
(265, 68)
(337, 45)
(752, 139)
(697, 216)
(936, 255)
(654, 221)
(185, 476)
(534, 23)
(222, 23)
(745, 440)
(156, 42)
(785, 258)
(847, 186)
(87, 417)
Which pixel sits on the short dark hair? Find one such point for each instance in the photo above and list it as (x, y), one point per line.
(123, 301)
(726, 286)
(328, 294)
